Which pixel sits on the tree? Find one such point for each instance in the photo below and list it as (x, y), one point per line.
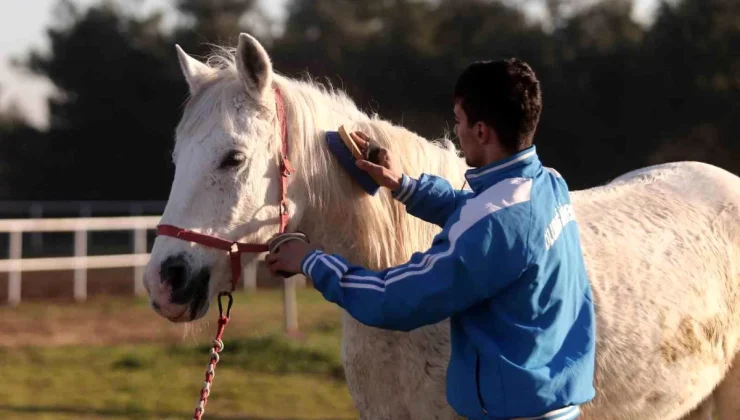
(617, 96)
(120, 103)
(215, 22)
(593, 91)
(16, 137)
(695, 76)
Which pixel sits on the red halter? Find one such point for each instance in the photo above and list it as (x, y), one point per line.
(235, 249)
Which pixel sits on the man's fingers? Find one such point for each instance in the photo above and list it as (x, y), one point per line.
(369, 167)
(274, 256)
(359, 141)
(363, 136)
(275, 265)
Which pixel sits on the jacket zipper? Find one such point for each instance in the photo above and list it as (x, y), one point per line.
(477, 384)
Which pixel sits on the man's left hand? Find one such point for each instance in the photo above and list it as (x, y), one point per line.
(289, 257)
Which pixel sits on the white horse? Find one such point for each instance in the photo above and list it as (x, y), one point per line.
(661, 246)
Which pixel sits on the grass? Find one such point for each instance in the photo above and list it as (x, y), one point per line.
(114, 375)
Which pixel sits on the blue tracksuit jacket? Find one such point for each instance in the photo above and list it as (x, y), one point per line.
(508, 271)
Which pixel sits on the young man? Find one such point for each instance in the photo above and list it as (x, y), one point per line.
(507, 268)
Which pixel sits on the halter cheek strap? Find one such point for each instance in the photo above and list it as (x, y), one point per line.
(286, 168)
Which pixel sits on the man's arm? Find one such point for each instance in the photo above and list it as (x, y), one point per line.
(478, 260)
(430, 198)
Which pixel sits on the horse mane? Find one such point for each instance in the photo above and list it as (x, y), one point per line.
(374, 231)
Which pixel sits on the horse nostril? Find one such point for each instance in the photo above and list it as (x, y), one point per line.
(174, 271)
(176, 276)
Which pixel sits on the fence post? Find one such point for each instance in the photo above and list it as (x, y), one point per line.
(300, 281)
(14, 277)
(291, 306)
(80, 269)
(37, 238)
(249, 274)
(140, 247)
(80, 286)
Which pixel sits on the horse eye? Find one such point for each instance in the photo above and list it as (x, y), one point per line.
(232, 160)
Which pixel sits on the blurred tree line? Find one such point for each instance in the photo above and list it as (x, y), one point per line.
(617, 95)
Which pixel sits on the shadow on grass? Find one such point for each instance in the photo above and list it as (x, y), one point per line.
(125, 412)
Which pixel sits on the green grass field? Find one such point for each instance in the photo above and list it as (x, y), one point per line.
(115, 359)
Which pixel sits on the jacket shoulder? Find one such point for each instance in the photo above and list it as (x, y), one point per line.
(504, 207)
(506, 193)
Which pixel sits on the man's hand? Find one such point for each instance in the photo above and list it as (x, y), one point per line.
(289, 256)
(388, 174)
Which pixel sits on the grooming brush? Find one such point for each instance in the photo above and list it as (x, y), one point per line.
(347, 152)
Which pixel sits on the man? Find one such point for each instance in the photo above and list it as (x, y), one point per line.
(507, 268)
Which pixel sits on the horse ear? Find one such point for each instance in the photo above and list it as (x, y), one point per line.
(195, 72)
(254, 66)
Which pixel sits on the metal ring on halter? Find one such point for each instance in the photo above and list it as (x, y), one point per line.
(220, 306)
(278, 240)
(275, 243)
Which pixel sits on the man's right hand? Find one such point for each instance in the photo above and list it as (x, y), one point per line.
(388, 173)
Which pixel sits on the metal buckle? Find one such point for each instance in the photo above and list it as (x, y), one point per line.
(228, 307)
(284, 167)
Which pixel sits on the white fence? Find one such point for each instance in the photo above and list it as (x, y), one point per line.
(80, 262)
(16, 265)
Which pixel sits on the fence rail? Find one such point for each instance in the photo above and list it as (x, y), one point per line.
(72, 263)
(79, 224)
(15, 265)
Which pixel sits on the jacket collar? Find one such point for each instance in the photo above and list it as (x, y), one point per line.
(525, 163)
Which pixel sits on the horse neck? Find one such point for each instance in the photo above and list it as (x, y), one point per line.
(374, 231)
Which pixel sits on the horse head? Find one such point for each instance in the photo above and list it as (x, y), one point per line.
(226, 158)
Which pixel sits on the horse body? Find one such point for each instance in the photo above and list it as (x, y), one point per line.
(660, 245)
(661, 249)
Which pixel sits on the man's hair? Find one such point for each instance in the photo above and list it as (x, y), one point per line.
(504, 94)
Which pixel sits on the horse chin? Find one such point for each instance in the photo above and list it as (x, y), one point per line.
(198, 309)
(179, 319)
(194, 311)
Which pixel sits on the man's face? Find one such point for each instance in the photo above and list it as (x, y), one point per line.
(467, 135)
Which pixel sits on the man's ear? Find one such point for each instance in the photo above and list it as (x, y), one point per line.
(483, 133)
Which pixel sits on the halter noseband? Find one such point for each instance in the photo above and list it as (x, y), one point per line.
(235, 249)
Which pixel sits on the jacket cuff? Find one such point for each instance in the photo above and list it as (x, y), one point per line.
(406, 190)
(308, 262)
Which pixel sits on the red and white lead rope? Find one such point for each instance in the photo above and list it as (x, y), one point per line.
(218, 346)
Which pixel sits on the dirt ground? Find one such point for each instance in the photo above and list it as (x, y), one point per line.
(49, 315)
(100, 322)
